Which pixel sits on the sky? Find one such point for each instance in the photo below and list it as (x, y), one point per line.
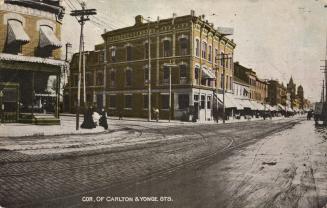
(276, 38)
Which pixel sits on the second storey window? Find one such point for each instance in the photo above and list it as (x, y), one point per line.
(112, 78)
(166, 48)
(99, 78)
(166, 73)
(128, 80)
(146, 75)
(146, 50)
(216, 56)
(197, 48)
(222, 59)
(204, 50)
(128, 53)
(210, 53)
(16, 37)
(183, 46)
(182, 71)
(113, 54)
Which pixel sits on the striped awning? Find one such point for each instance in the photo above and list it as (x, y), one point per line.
(16, 32)
(208, 73)
(48, 38)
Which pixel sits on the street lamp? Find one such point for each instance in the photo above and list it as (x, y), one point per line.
(170, 65)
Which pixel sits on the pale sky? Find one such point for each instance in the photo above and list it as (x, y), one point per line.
(277, 38)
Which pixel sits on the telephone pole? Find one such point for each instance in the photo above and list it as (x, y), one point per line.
(83, 16)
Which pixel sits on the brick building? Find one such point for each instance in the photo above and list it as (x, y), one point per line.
(190, 42)
(29, 56)
(276, 93)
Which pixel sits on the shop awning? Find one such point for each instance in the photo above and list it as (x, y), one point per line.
(247, 104)
(16, 32)
(208, 74)
(281, 107)
(230, 101)
(48, 38)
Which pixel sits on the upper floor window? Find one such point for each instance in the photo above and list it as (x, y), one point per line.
(165, 72)
(128, 53)
(222, 59)
(146, 74)
(210, 53)
(146, 50)
(113, 54)
(112, 78)
(222, 81)
(183, 46)
(182, 71)
(197, 47)
(196, 73)
(216, 56)
(204, 50)
(101, 57)
(128, 80)
(88, 79)
(166, 48)
(16, 37)
(99, 78)
(48, 41)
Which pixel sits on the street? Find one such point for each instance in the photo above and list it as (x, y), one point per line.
(271, 163)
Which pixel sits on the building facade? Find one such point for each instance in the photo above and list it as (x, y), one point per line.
(188, 42)
(276, 93)
(29, 56)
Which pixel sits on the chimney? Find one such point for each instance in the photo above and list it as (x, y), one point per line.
(192, 13)
(139, 20)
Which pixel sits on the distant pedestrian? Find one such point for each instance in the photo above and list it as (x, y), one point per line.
(120, 115)
(103, 120)
(309, 115)
(88, 122)
(156, 114)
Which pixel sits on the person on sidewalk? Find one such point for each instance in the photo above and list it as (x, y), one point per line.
(103, 120)
(88, 122)
(156, 114)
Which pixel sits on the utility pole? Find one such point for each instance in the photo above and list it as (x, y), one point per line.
(170, 65)
(83, 15)
(149, 71)
(323, 92)
(104, 77)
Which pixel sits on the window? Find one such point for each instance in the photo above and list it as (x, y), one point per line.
(183, 101)
(196, 98)
(113, 54)
(101, 57)
(99, 78)
(166, 48)
(227, 81)
(75, 80)
(222, 80)
(203, 97)
(183, 46)
(112, 101)
(182, 71)
(128, 53)
(216, 56)
(128, 101)
(88, 79)
(145, 101)
(164, 101)
(197, 48)
(231, 83)
(204, 50)
(128, 78)
(210, 53)
(209, 102)
(146, 50)
(146, 75)
(166, 72)
(196, 73)
(221, 59)
(112, 78)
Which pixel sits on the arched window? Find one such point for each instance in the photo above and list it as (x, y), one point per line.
(166, 48)
(183, 46)
(197, 47)
(204, 50)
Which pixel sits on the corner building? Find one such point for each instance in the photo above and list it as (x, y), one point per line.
(190, 42)
(30, 33)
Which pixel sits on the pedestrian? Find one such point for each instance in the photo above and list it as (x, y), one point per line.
(103, 120)
(88, 122)
(156, 114)
(120, 115)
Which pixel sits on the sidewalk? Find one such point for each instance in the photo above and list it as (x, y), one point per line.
(68, 125)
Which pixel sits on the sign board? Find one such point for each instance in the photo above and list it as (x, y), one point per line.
(225, 30)
(170, 65)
